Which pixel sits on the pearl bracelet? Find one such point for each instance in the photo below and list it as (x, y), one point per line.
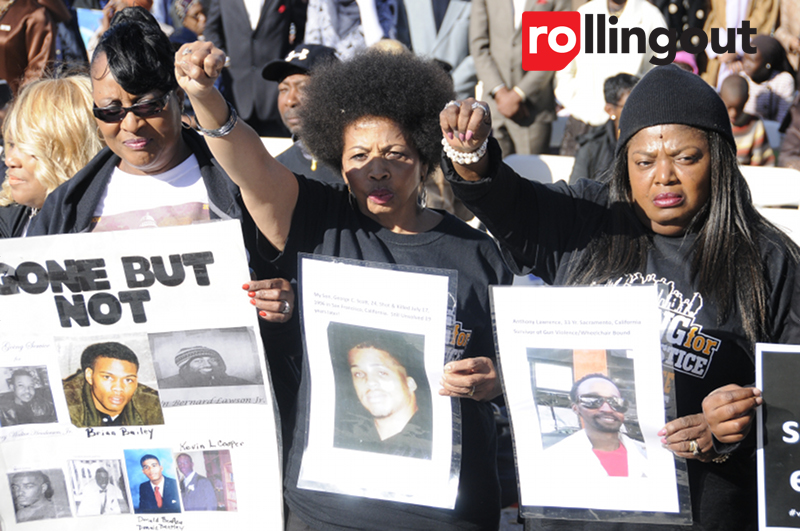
(226, 128)
(465, 157)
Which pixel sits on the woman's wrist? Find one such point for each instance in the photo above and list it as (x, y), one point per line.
(464, 158)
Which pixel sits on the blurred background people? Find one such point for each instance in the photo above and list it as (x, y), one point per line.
(350, 25)
(771, 79)
(752, 145)
(50, 134)
(579, 86)
(596, 151)
(252, 34)
(522, 103)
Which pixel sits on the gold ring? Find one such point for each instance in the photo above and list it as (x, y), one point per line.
(694, 448)
(471, 391)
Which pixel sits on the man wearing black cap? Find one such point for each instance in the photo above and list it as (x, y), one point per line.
(291, 75)
(200, 367)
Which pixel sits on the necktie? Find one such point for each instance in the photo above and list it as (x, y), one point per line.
(159, 500)
(105, 500)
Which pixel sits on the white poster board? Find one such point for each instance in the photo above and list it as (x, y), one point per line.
(550, 338)
(347, 305)
(172, 299)
(778, 425)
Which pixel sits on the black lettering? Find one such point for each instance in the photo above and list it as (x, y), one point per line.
(8, 276)
(89, 272)
(589, 36)
(686, 40)
(601, 34)
(199, 261)
(63, 276)
(136, 300)
(670, 48)
(745, 31)
(641, 40)
(75, 311)
(612, 35)
(178, 273)
(113, 312)
(137, 272)
(33, 286)
(717, 47)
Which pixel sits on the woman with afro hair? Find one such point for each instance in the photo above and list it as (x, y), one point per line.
(374, 118)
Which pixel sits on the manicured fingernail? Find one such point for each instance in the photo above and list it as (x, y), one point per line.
(461, 136)
(448, 368)
(662, 432)
(251, 293)
(663, 441)
(469, 136)
(450, 135)
(253, 302)
(262, 313)
(245, 286)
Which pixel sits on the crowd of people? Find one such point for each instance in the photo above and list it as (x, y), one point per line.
(170, 132)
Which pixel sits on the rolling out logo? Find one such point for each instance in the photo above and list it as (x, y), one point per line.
(551, 39)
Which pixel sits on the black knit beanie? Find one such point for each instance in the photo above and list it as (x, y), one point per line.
(670, 95)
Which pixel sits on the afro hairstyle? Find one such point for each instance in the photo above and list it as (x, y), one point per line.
(401, 87)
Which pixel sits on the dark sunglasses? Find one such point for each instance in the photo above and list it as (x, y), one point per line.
(596, 402)
(116, 113)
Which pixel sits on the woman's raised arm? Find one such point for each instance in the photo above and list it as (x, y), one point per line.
(269, 190)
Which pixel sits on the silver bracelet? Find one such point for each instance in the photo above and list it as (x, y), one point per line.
(465, 157)
(226, 128)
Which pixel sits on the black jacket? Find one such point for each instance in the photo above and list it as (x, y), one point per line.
(595, 154)
(70, 208)
(12, 220)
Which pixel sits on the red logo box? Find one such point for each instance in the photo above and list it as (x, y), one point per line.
(550, 39)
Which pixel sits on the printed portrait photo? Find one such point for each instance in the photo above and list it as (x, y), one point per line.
(383, 400)
(206, 480)
(25, 396)
(110, 381)
(39, 495)
(207, 364)
(98, 487)
(152, 479)
(586, 400)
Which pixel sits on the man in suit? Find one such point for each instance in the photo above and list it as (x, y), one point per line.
(160, 493)
(251, 39)
(439, 29)
(197, 491)
(522, 103)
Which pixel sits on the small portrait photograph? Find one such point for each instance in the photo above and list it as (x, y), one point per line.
(586, 400)
(207, 364)
(25, 396)
(98, 487)
(383, 400)
(39, 495)
(152, 478)
(111, 382)
(206, 480)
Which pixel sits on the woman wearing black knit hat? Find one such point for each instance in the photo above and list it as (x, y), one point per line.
(677, 212)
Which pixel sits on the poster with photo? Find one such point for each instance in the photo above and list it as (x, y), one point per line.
(375, 338)
(133, 384)
(778, 425)
(582, 373)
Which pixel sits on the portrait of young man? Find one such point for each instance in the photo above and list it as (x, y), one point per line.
(106, 392)
(383, 401)
(158, 493)
(29, 399)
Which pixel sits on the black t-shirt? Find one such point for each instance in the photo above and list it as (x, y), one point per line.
(298, 161)
(325, 222)
(542, 227)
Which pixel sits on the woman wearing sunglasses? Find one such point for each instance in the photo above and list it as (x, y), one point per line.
(154, 172)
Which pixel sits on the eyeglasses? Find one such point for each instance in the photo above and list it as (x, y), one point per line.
(116, 113)
(596, 402)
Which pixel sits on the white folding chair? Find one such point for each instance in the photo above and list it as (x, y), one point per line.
(276, 145)
(772, 186)
(542, 168)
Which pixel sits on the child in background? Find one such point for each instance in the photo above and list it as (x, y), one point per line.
(752, 145)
